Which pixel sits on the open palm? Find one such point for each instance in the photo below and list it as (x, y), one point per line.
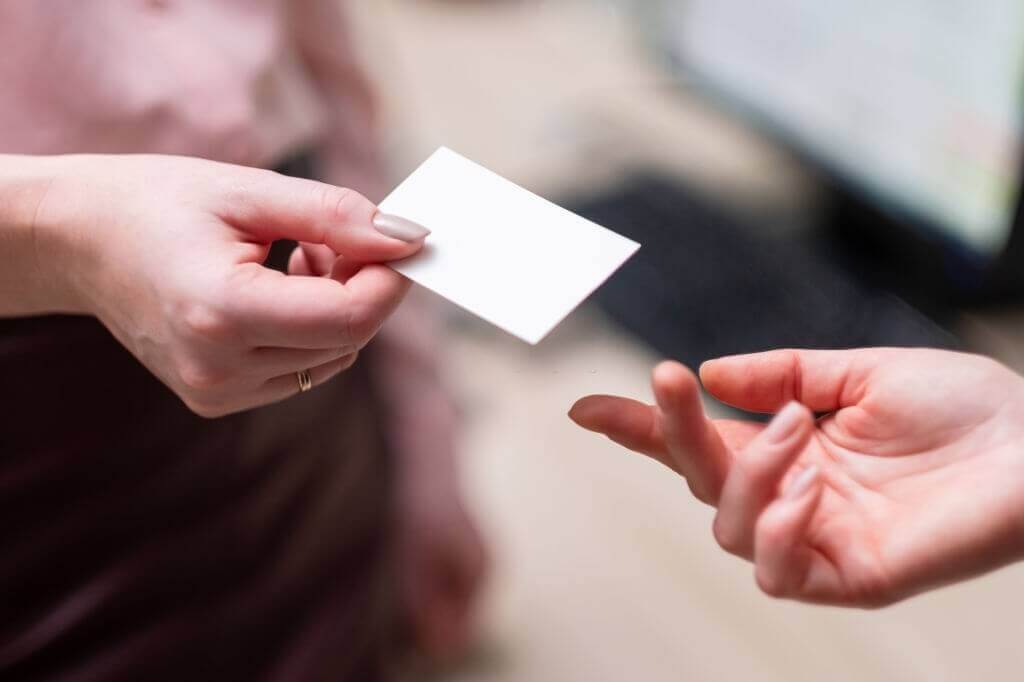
(913, 478)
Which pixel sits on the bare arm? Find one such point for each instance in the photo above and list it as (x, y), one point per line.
(30, 254)
(167, 253)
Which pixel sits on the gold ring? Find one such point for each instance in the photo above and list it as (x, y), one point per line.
(305, 380)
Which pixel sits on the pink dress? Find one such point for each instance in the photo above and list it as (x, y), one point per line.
(137, 541)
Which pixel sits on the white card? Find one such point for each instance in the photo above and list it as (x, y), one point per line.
(499, 251)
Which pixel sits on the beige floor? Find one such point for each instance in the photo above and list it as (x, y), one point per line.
(606, 567)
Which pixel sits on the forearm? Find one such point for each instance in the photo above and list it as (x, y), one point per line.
(32, 269)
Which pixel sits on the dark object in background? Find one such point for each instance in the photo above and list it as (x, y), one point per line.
(923, 163)
(705, 284)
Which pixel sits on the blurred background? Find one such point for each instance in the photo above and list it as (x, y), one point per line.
(800, 174)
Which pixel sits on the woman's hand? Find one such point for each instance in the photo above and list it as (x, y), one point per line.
(167, 252)
(913, 478)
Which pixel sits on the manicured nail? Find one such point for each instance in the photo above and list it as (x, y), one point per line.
(784, 423)
(399, 228)
(802, 483)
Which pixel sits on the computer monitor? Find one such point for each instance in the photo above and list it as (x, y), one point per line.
(916, 105)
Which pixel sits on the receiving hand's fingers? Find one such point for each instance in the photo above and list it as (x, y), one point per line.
(737, 434)
(784, 561)
(275, 310)
(695, 447)
(636, 426)
(629, 423)
(824, 381)
(269, 206)
(755, 475)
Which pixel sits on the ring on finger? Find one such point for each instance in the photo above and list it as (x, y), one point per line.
(305, 380)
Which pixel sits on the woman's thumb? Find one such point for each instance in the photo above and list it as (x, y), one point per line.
(279, 207)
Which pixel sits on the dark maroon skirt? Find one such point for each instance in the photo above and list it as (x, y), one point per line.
(140, 542)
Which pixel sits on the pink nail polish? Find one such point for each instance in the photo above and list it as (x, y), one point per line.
(802, 483)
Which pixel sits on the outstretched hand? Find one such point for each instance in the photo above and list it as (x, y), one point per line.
(913, 478)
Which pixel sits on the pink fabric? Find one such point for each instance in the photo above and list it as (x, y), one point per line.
(233, 80)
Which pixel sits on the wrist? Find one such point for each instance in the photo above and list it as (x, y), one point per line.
(37, 263)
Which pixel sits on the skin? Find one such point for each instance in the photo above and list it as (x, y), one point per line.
(167, 253)
(912, 479)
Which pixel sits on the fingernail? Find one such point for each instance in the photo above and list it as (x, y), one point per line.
(784, 423)
(399, 228)
(802, 483)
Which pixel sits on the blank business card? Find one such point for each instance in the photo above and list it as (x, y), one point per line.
(507, 255)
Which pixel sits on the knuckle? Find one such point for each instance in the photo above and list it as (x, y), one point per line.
(748, 466)
(702, 490)
(338, 202)
(872, 592)
(755, 468)
(770, 585)
(341, 365)
(204, 409)
(361, 324)
(235, 193)
(725, 535)
(792, 387)
(242, 185)
(200, 377)
(208, 322)
(769, 534)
